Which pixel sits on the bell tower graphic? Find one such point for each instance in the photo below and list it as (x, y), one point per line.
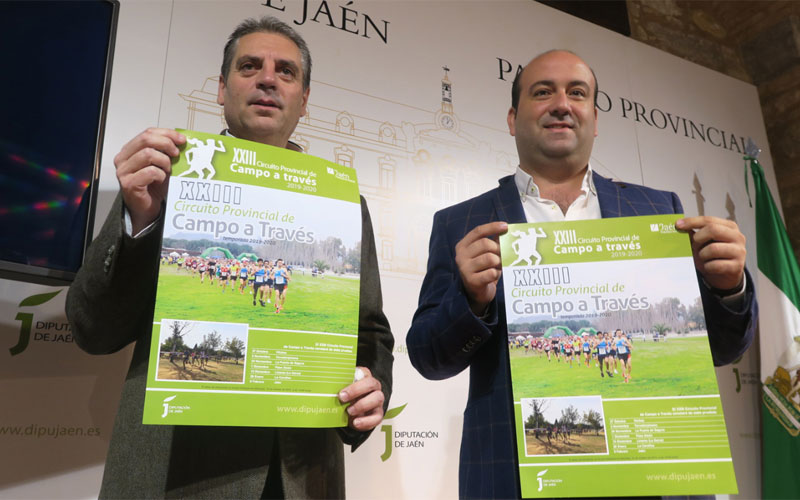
(445, 117)
(447, 92)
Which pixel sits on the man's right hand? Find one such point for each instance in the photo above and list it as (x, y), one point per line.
(478, 261)
(143, 168)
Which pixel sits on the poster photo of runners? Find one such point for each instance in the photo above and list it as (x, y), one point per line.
(279, 285)
(662, 349)
(564, 426)
(196, 351)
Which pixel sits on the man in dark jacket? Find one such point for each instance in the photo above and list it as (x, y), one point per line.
(264, 88)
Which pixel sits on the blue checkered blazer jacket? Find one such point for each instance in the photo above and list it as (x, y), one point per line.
(446, 337)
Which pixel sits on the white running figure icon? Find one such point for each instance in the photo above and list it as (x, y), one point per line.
(199, 157)
(525, 246)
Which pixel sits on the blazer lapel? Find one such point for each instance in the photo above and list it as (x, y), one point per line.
(608, 194)
(506, 202)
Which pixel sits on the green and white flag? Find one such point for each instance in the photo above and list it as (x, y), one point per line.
(779, 303)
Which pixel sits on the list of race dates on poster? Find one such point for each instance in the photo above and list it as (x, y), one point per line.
(286, 364)
(667, 431)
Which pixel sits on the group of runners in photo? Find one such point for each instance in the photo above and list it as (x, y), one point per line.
(563, 432)
(188, 357)
(611, 352)
(559, 432)
(200, 363)
(267, 282)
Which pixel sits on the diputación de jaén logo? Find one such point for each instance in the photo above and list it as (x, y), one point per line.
(165, 404)
(539, 479)
(387, 431)
(26, 320)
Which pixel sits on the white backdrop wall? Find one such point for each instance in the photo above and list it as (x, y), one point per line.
(377, 101)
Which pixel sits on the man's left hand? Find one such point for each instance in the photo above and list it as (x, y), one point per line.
(718, 248)
(366, 402)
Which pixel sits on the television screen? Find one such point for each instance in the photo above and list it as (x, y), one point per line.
(57, 57)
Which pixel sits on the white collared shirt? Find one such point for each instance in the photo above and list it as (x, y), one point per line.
(538, 209)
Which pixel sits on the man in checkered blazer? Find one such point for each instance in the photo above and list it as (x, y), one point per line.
(460, 321)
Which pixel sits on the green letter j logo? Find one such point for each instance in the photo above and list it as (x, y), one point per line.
(387, 430)
(27, 320)
(24, 333)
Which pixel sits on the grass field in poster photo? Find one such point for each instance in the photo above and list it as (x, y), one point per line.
(588, 443)
(328, 304)
(679, 366)
(214, 370)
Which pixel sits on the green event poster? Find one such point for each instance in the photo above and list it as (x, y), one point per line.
(613, 383)
(256, 314)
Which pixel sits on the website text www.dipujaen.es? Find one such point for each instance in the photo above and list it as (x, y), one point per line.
(48, 431)
(682, 476)
(306, 409)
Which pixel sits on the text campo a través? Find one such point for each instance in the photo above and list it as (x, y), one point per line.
(198, 197)
(294, 176)
(597, 303)
(224, 228)
(556, 280)
(568, 242)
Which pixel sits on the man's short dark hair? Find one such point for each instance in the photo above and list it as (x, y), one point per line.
(515, 90)
(266, 24)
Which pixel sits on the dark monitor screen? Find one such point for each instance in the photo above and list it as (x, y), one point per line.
(57, 64)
